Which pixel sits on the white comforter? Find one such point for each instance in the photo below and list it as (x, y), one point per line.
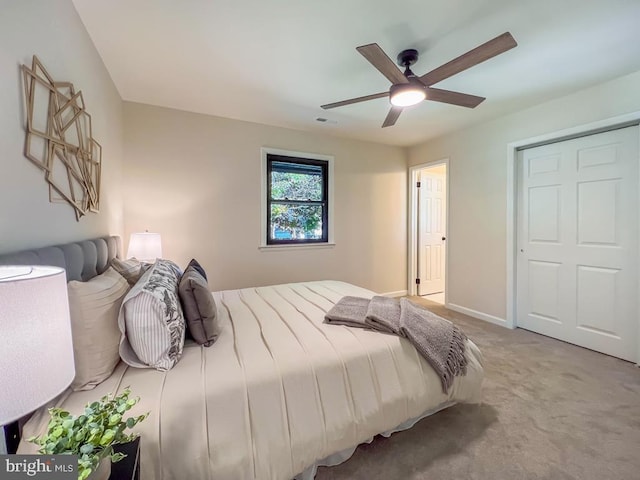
(278, 391)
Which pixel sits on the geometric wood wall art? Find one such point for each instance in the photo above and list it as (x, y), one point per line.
(60, 140)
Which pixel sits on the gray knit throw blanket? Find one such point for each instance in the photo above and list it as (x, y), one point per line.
(440, 342)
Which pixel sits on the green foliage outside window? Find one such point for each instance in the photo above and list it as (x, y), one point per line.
(296, 221)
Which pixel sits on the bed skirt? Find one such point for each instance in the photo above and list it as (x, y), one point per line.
(344, 455)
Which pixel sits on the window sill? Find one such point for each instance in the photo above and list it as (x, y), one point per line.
(299, 246)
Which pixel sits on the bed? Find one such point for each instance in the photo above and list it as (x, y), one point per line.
(278, 394)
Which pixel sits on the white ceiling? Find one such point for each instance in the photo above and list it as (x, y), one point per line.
(275, 62)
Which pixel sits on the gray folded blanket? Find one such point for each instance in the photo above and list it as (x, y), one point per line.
(439, 341)
(349, 311)
(383, 314)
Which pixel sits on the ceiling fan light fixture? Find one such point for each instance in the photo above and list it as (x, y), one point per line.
(406, 94)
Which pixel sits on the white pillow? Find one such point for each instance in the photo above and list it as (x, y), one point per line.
(151, 320)
(94, 307)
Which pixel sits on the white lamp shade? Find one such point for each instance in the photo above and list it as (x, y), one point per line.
(145, 246)
(36, 355)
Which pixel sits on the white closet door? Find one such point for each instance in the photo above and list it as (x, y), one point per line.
(577, 268)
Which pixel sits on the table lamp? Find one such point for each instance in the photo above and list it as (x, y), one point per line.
(145, 246)
(36, 356)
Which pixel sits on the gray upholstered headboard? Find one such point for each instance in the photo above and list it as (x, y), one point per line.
(82, 260)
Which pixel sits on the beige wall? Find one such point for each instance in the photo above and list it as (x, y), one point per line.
(53, 31)
(196, 180)
(478, 175)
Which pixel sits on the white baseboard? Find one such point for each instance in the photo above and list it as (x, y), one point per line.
(399, 293)
(479, 315)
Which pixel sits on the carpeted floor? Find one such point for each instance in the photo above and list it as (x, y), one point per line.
(551, 411)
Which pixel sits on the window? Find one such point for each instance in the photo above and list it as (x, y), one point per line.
(297, 200)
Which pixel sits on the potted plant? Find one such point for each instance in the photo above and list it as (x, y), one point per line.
(92, 434)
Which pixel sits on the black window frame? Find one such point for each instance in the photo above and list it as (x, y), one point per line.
(324, 202)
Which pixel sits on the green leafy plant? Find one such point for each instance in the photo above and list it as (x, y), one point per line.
(91, 435)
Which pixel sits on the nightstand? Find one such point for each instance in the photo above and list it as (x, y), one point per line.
(129, 467)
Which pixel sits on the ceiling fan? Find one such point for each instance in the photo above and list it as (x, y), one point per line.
(408, 89)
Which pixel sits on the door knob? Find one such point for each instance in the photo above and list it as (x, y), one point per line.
(444, 238)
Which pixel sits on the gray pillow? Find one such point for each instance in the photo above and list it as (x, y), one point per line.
(194, 263)
(199, 307)
(151, 319)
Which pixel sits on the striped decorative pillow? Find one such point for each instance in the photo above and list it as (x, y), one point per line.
(131, 269)
(151, 320)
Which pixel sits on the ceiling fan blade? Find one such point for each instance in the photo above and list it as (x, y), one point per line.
(454, 98)
(392, 117)
(382, 62)
(355, 100)
(488, 50)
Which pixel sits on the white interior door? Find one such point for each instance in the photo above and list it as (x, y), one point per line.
(577, 268)
(431, 222)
